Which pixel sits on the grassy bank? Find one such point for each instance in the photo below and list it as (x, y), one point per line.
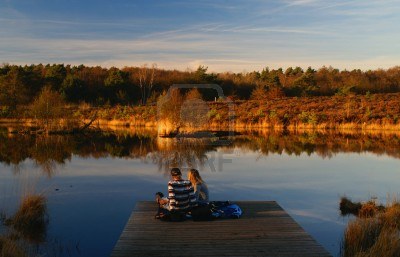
(375, 231)
(380, 111)
(365, 112)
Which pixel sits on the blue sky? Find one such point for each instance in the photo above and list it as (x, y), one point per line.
(223, 35)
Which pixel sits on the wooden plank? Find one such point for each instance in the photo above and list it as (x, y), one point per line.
(265, 229)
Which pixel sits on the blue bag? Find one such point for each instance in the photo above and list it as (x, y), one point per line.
(225, 210)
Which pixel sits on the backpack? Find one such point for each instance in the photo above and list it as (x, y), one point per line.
(202, 213)
(225, 209)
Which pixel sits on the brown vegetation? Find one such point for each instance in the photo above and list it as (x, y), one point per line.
(291, 99)
(365, 112)
(361, 112)
(10, 248)
(30, 220)
(28, 226)
(375, 232)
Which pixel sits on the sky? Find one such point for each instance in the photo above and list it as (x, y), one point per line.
(236, 36)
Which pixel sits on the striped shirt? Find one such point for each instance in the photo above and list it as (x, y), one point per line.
(181, 195)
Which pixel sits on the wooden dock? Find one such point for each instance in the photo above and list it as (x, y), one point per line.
(265, 229)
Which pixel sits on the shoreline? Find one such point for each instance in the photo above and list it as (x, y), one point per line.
(115, 124)
(379, 112)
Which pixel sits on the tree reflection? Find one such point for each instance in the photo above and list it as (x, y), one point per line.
(48, 152)
(181, 152)
(322, 143)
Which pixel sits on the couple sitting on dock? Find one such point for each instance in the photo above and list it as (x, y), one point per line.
(183, 195)
(190, 198)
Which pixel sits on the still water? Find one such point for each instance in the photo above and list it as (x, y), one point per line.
(91, 182)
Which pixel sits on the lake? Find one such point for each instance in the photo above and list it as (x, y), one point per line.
(92, 182)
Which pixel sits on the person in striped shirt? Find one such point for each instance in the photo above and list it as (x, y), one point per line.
(181, 195)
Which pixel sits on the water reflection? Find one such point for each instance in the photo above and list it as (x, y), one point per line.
(48, 152)
(323, 143)
(181, 152)
(26, 231)
(103, 174)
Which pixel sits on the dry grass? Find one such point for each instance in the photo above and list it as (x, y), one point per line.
(30, 220)
(375, 232)
(32, 210)
(9, 248)
(368, 210)
(380, 113)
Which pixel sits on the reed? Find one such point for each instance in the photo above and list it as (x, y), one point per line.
(375, 231)
(30, 221)
(9, 247)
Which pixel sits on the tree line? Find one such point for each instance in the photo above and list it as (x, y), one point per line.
(20, 85)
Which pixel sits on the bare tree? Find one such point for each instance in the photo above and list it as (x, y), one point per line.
(146, 80)
(49, 108)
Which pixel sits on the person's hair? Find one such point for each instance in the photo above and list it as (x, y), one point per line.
(194, 177)
(176, 172)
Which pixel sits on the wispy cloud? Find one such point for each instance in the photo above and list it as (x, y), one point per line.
(335, 5)
(235, 36)
(287, 30)
(131, 23)
(301, 2)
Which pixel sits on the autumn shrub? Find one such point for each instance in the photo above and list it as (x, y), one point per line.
(49, 108)
(169, 110)
(368, 210)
